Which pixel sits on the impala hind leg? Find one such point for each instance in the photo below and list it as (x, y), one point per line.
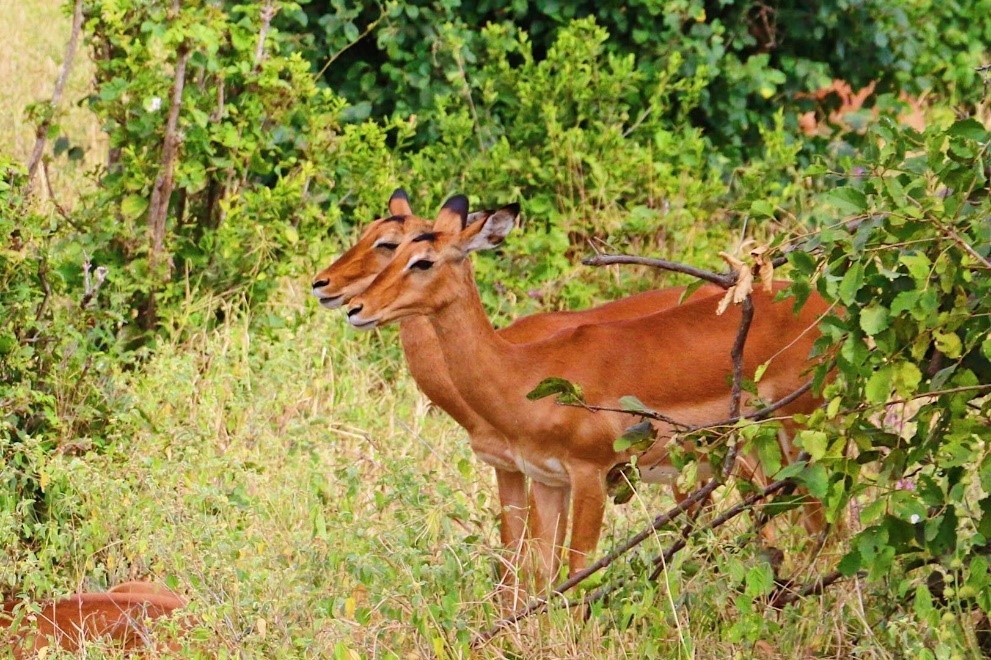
(548, 527)
(513, 507)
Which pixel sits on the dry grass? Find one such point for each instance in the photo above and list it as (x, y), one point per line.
(34, 34)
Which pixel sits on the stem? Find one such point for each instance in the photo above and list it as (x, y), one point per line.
(725, 281)
(41, 133)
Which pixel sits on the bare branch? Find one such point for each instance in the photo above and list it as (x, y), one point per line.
(41, 134)
(725, 281)
(268, 12)
(737, 355)
(785, 594)
(158, 206)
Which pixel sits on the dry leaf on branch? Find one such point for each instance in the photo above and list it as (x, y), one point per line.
(742, 288)
(765, 267)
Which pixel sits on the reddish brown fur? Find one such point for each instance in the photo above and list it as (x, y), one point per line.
(676, 361)
(119, 616)
(353, 271)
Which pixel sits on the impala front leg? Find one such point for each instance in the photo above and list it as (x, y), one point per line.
(549, 525)
(588, 492)
(512, 531)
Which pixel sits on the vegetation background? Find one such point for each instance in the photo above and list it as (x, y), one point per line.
(195, 418)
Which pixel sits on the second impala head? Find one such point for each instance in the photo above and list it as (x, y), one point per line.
(354, 270)
(428, 271)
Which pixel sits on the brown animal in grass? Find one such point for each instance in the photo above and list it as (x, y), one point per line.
(120, 616)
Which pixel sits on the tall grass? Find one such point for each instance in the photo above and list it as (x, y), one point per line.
(293, 482)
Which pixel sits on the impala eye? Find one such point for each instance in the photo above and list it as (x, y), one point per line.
(422, 264)
(387, 246)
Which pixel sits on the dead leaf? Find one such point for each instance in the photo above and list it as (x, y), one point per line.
(765, 267)
(743, 287)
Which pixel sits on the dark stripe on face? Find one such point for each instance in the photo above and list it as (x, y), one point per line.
(428, 236)
(396, 218)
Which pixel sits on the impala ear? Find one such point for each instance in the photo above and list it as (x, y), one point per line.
(453, 216)
(491, 230)
(399, 203)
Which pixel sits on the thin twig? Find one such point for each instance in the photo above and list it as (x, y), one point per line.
(725, 281)
(648, 414)
(367, 31)
(784, 595)
(51, 192)
(964, 245)
(686, 428)
(757, 414)
(41, 134)
(268, 12)
(737, 354)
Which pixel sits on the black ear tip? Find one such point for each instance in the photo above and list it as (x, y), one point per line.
(399, 193)
(513, 208)
(458, 204)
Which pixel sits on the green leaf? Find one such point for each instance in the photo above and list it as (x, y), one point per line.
(948, 343)
(873, 319)
(566, 391)
(802, 262)
(850, 563)
(847, 200)
(907, 379)
(133, 206)
(904, 301)
(638, 437)
(814, 442)
(762, 208)
(815, 479)
(759, 371)
(852, 280)
(632, 404)
(789, 471)
(878, 386)
(970, 129)
(919, 266)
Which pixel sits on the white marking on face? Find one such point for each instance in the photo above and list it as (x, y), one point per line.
(414, 259)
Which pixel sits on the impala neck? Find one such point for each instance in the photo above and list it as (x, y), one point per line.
(483, 366)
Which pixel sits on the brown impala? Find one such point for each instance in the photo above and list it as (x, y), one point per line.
(675, 361)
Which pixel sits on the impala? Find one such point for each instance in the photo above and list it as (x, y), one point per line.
(353, 271)
(675, 361)
(118, 616)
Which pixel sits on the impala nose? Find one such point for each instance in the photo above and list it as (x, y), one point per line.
(354, 310)
(320, 283)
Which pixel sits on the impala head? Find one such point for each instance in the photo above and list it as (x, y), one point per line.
(429, 269)
(354, 270)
